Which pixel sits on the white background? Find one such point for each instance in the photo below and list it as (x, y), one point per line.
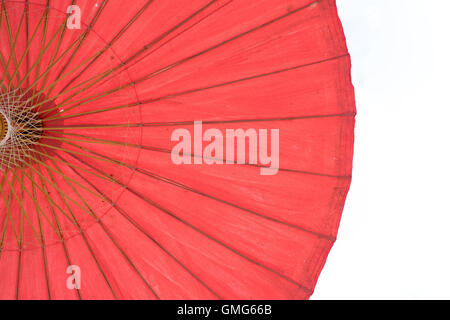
(394, 240)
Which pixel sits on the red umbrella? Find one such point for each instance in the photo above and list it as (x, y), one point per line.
(189, 149)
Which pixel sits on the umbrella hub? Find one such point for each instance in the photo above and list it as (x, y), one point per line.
(4, 129)
(20, 129)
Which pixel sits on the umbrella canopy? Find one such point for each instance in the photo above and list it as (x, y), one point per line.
(189, 149)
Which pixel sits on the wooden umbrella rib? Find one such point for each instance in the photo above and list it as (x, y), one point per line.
(18, 277)
(79, 153)
(190, 123)
(62, 174)
(89, 60)
(58, 45)
(19, 264)
(43, 247)
(105, 229)
(2, 60)
(72, 165)
(39, 210)
(44, 36)
(182, 61)
(57, 188)
(47, 71)
(110, 44)
(174, 216)
(65, 194)
(84, 36)
(52, 63)
(166, 180)
(25, 54)
(93, 140)
(11, 42)
(23, 214)
(85, 240)
(192, 91)
(98, 156)
(143, 57)
(27, 36)
(8, 207)
(172, 38)
(54, 83)
(143, 231)
(60, 233)
(103, 75)
(5, 219)
(53, 203)
(13, 229)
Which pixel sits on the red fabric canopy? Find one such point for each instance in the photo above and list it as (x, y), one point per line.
(89, 183)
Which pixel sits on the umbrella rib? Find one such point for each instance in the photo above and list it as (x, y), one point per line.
(182, 61)
(85, 240)
(51, 64)
(5, 220)
(43, 248)
(56, 187)
(174, 216)
(7, 215)
(13, 195)
(107, 159)
(8, 207)
(18, 237)
(12, 43)
(84, 36)
(47, 155)
(47, 71)
(29, 71)
(93, 140)
(120, 71)
(19, 264)
(34, 198)
(23, 213)
(41, 232)
(58, 45)
(154, 176)
(44, 36)
(27, 36)
(140, 196)
(155, 149)
(19, 268)
(38, 208)
(53, 203)
(189, 123)
(24, 55)
(123, 64)
(58, 172)
(103, 75)
(190, 189)
(60, 233)
(143, 231)
(196, 90)
(2, 60)
(98, 219)
(114, 39)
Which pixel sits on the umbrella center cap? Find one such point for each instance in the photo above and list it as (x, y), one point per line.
(20, 129)
(4, 129)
